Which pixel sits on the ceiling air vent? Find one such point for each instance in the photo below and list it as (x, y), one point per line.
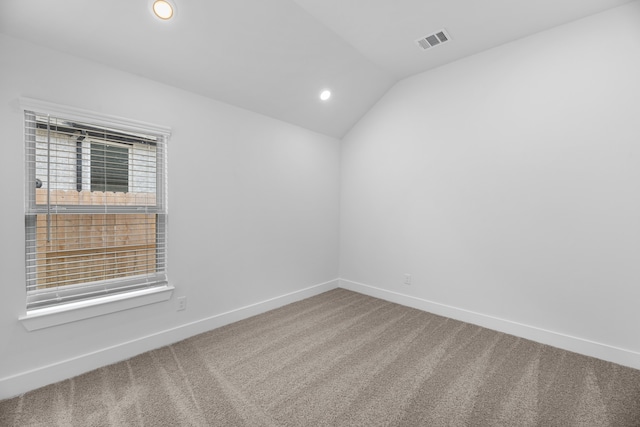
(432, 40)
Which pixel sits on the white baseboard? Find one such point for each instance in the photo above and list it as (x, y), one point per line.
(30, 380)
(566, 342)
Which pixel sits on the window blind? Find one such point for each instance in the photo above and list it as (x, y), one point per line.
(95, 209)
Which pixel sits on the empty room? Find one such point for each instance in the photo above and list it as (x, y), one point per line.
(320, 213)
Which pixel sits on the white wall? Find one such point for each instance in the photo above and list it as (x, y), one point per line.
(508, 185)
(253, 214)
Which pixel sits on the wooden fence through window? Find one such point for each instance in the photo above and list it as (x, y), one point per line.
(81, 248)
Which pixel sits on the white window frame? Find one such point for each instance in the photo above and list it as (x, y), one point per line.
(38, 318)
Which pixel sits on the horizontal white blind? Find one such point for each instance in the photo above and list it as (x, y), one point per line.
(95, 210)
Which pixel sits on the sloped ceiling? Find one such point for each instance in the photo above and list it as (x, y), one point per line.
(275, 56)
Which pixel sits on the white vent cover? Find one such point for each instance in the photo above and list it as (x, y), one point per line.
(433, 40)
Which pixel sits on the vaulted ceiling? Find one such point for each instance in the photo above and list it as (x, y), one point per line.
(275, 56)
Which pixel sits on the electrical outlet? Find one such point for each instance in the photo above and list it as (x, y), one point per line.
(182, 303)
(407, 279)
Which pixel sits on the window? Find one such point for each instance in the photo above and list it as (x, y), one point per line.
(109, 167)
(96, 212)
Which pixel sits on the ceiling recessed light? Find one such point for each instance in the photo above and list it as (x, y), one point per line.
(163, 9)
(325, 94)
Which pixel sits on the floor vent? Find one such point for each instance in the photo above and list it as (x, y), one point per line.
(433, 40)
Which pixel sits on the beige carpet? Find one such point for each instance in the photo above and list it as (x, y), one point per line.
(342, 359)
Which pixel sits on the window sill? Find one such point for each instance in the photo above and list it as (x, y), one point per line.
(72, 312)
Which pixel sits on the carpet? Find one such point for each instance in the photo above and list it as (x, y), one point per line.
(342, 359)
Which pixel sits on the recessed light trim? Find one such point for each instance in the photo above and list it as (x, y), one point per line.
(163, 9)
(325, 94)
